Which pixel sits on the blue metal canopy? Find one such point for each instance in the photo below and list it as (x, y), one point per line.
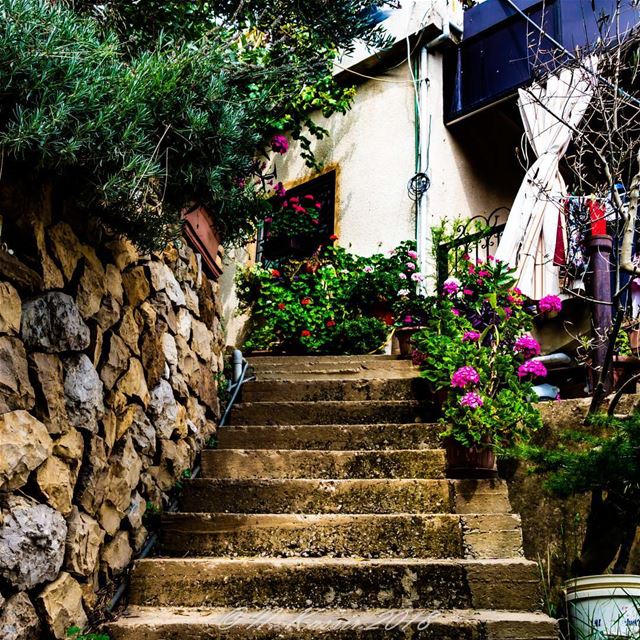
(501, 51)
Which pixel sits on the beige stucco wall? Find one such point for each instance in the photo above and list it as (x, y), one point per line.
(473, 166)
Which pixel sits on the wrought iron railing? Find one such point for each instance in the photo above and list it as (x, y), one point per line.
(477, 237)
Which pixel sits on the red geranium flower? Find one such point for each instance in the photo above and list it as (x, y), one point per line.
(294, 200)
(333, 236)
(308, 197)
(305, 333)
(275, 273)
(331, 323)
(305, 301)
(282, 306)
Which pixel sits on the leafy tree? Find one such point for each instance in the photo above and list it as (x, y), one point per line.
(150, 107)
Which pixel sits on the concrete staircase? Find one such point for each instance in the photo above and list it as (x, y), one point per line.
(325, 513)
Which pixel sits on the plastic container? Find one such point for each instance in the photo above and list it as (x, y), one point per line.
(606, 606)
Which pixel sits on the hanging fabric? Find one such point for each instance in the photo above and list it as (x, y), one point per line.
(549, 114)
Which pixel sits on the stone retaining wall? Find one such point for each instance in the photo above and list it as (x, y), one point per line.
(108, 389)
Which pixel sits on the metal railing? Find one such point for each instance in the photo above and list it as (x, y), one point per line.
(478, 237)
(239, 377)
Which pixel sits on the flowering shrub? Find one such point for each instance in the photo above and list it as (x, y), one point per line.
(306, 306)
(477, 354)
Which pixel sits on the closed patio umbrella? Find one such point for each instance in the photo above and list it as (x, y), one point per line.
(550, 112)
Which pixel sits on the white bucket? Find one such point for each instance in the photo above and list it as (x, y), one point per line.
(606, 606)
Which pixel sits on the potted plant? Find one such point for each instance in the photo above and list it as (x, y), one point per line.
(411, 311)
(479, 358)
(295, 228)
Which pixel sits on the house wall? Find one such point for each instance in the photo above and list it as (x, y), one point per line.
(108, 390)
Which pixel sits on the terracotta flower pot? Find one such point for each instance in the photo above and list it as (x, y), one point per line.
(404, 335)
(474, 462)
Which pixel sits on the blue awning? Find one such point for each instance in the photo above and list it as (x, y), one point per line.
(501, 52)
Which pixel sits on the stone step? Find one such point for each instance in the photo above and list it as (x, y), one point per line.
(320, 374)
(331, 412)
(301, 583)
(336, 465)
(345, 496)
(294, 361)
(402, 388)
(334, 437)
(342, 535)
(164, 623)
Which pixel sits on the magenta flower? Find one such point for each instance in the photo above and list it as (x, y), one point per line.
(451, 286)
(280, 144)
(508, 312)
(550, 303)
(472, 400)
(413, 254)
(279, 190)
(532, 368)
(455, 312)
(527, 346)
(471, 336)
(417, 277)
(467, 292)
(368, 269)
(268, 220)
(464, 376)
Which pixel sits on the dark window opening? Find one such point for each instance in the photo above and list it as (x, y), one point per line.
(322, 190)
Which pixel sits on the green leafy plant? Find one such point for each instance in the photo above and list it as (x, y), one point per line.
(76, 633)
(147, 109)
(600, 459)
(478, 357)
(307, 306)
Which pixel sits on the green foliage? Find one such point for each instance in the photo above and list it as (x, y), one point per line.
(76, 633)
(603, 456)
(146, 108)
(296, 217)
(317, 305)
(476, 323)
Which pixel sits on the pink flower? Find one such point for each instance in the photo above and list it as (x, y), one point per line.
(268, 220)
(527, 346)
(451, 286)
(318, 205)
(413, 254)
(455, 312)
(280, 144)
(294, 200)
(402, 276)
(472, 400)
(491, 258)
(407, 319)
(508, 312)
(315, 221)
(308, 197)
(411, 266)
(550, 303)
(467, 292)
(483, 274)
(298, 209)
(472, 268)
(279, 190)
(417, 277)
(465, 376)
(471, 336)
(368, 269)
(532, 368)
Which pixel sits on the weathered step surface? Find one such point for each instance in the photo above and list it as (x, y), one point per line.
(344, 535)
(345, 496)
(144, 623)
(299, 583)
(334, 437)
(260, 463)
(331, 412)
(314, 389)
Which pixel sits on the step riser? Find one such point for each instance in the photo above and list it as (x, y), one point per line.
(332, 437)
(336, 465)
(366, 536)
(291, 361)
(365, 412)
(450, 585)
(313, 536)
(319, 496)
(318, 390)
